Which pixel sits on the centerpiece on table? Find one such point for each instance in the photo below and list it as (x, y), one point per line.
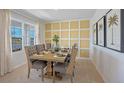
(56, 40)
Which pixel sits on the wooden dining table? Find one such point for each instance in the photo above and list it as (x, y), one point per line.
(51, 58)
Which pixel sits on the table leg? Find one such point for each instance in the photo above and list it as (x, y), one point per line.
(49, 73)
(49, 68)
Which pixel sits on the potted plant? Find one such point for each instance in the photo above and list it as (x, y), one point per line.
(56, 40)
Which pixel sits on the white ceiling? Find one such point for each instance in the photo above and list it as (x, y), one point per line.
(61, 14)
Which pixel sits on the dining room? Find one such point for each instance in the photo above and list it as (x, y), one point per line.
(51, 46)
(61, 45)
(54, 48)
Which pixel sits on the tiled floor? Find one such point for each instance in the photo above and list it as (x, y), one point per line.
(85, 73)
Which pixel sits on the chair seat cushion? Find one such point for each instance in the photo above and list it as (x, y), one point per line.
(60, 67)
(38, 64)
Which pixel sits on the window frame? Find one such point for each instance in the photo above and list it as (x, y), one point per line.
(23, 32)
(14, 27)
(26, 34)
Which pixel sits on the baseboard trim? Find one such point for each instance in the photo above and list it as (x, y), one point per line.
(99, 72)
(83, 59)
(17, 66)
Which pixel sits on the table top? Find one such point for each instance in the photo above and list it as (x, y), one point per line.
(48, 56)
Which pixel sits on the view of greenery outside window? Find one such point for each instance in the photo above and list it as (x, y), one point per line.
(16, 33)
(31, 35)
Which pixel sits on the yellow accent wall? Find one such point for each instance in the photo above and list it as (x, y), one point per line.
(70, 32)
(74, 34)
(84, 24)
(84, 43)
(74, 25)
(84, 34)
(84, 53)
(48, 35)
(65, 34)
(48, 41)
(55, 33)
(65, 43)
(55, 26)
(48, 27)
(64, 25)
(72, 42)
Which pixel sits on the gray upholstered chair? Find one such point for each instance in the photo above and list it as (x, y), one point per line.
(40, 48)
(68, 67)
(75, 45)
(34, 64)
(48, 46)
(68, 58)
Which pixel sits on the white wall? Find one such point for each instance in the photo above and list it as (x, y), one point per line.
(42, 32)
(109, 63)
(19, 58)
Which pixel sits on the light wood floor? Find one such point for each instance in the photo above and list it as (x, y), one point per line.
(85, 73)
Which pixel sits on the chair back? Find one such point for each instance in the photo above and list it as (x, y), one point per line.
(74, 54)
(40, 48)
(72, 62)
(75, 45)
(48, 45)
(30, 50)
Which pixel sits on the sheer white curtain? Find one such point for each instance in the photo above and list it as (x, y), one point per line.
(38, 32)
(5, 42)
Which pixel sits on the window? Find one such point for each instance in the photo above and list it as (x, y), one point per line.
(29, 34)
(32, 39)
(22, 34)
(16, 33)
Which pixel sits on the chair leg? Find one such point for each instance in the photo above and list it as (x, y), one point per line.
(42, 75)
(71, 79)
(53, 76)
(73, 74)
(28, 73)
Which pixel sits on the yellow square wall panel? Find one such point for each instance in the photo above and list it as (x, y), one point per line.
(47, 34)
(72, 42)
(84, 43)
(64, 34)
(47, 41)
(55, 26)
(84, 53)
(74, 25)
(65, 43)
(64, 25)
(84, 24)
(52, 42)
(84, 34)
(74, 34)
(55, 33)
(48, 26)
